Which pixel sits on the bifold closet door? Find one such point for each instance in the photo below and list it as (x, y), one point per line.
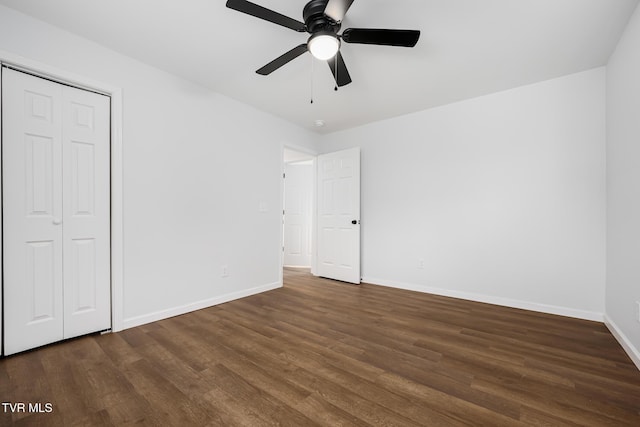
(55, 158)
(32, 211)
(86, 212)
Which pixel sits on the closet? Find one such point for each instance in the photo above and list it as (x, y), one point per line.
(55, 211)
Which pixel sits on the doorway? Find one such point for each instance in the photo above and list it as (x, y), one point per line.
(321, 213)
(298, 247)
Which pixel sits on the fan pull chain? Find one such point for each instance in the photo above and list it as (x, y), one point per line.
(311, 56)
(336, 66)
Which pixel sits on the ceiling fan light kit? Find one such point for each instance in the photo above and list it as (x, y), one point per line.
(323, 20)
(323, 45)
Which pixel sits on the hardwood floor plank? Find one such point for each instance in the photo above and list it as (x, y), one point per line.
(367, 390)
(534, 417)
(117, 349)
(67, 397)
(236, 412)
(166, 400)
(346, 399)
(270, 408)
(549, 403)
(458, 409)
(326, 414)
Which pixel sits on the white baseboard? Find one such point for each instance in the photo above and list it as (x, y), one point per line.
(198, 305)
(629, 348)
(506, 302)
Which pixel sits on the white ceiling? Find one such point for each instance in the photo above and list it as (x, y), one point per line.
(467, 48)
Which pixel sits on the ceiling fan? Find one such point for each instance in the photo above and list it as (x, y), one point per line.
(323, 19)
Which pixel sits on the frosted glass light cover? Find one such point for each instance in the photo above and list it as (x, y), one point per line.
(323, 46)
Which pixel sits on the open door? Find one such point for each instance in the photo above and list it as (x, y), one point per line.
(339, 215)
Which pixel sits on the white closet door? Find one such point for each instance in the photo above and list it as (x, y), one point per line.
(32, 211)
(56, 211)
(85, 179)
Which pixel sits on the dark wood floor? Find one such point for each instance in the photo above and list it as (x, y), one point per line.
(318, 352)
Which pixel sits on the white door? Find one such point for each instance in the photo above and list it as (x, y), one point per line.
(86, 207)
(32, 211)
(297, 214)
(339, 215)
(55, 157)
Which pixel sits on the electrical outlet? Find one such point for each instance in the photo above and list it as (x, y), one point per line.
(224, 271)
(421, 263)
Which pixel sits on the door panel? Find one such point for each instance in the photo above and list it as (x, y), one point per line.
(82, 179)
(338, 209)
(85, 150)
(32, 211)
(40, 286)
(39, 175)
(83, 276)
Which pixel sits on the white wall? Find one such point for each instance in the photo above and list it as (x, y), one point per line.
(502, 196)
(623, 189)
(197, 166)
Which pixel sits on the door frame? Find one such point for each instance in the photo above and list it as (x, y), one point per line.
(46, 71)
(313, 157)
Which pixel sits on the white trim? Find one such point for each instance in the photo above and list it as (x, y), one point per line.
(506, 302)
(281, 222)
(117, 214)
(629, 348)
(198, 305)
(298, 148)
(1, 237)
(314, 217)
(117, 194)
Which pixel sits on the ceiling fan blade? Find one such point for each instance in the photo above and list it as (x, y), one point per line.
(282, 60)
(266, 14)
(341, 74)
(336, 9)
(406, 38)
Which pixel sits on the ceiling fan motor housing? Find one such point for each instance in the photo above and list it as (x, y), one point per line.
(315, 20)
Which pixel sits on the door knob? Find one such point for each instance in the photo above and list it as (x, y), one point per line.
(354, 222)
(57, 221)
